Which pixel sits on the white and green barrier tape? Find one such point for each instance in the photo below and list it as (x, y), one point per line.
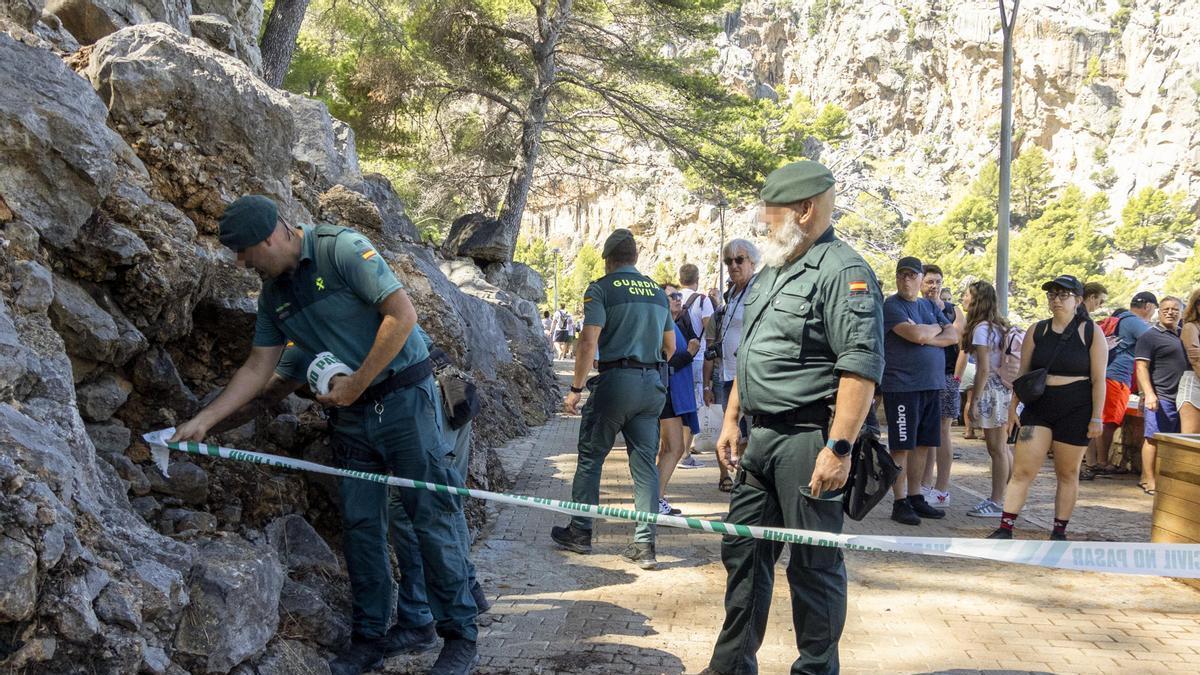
(1164, 560)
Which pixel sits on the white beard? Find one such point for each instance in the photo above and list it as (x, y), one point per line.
(778, 248)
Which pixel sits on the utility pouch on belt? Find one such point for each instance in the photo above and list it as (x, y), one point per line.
(460, 398)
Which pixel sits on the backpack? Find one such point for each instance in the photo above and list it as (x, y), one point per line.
(1010, 356)
(1109, 327)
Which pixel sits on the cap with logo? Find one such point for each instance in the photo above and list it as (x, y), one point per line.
(796, 182)
(248, 221)
(1065, 282)
(911, 263)
(1144, 298)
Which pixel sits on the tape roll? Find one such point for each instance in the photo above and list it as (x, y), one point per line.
(322, 371)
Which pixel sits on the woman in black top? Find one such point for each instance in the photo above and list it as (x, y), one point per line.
(1068, 413)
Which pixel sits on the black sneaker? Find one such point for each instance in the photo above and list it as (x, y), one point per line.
(641, 555)
(923, 509)
(409, 640)
(1000, 533)
(458, 657)
(360, 656)
(481, 599)
(1058, 536)
(572, 538)
(902, 512)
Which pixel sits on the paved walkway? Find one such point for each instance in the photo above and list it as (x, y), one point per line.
(557, 612)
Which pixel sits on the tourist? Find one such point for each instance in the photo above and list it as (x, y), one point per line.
(987, 332)
(1189, 383)
(680, 409)
(1160, 361)
(563, 329)
(937, 492)
(699, 309)
(1070, 346)
(1122, 331)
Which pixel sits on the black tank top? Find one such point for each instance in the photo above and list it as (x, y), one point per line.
(952, 350)
(1074, 359)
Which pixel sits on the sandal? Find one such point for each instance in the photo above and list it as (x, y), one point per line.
(725, 484)
(1086, 473)
(1147, 489)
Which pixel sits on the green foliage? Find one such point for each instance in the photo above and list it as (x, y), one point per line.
(535, 253)
(819, 12)
(1031, 187)
(586, 268)
(1186, 276)
(909, 21)
(1093, 70)
(1150, 218)
(1120, 18)
(664, 273)
(1062, 240)
(875, 229)
(1100, 154)
(1105, 178)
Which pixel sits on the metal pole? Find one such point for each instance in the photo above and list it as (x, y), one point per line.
(1008, 22)
(554, 307)
(722, 204)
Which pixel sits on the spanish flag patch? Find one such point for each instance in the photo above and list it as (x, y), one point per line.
(368, 254)
(858, 287)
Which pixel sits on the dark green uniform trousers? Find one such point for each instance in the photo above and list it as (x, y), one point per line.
(779, 461)
(402, 436)
(629, 401)
(412, 601)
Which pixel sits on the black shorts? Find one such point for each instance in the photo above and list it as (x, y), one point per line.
(562, 336)
(914, 419)
(668, 410)
(1066, 410)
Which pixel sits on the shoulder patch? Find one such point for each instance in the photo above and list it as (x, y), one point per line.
(368, 254)
(858, 286)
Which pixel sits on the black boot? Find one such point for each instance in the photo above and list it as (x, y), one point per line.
(902, 512)
(641, 555)
(360, 656)
(1000, 533)
(458, 657)
(409, 640)
(481, 600)
(572, 538)
(923, 509)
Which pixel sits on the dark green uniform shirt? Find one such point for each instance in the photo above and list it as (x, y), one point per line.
(329, 302)
(293, 364)
(632, 313)
(805, 325)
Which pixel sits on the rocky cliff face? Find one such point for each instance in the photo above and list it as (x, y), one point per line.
(921, 83)
(120, 313)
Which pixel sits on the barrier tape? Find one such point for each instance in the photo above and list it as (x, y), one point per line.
(1163, 560)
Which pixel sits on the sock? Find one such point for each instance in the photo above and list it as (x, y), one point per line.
(1007, 520)
(1060, 526)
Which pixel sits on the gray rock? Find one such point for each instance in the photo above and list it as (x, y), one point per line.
(35, 286)
(90, 20)
(300, 548)
(24, 13)
(181, 521)
(155, 376)
(185, 481)
(14, 358)
(324, 149)
(129, 472)
(234, 607)
(302, 613)
(18, 579)
(74, 618)
(88, 330)
(517, 278)
(54, 545)
(246, 17)
(119, 605)
(397, 226)
(146, 507)
(289, 657)
(284, 430)
(215, 30)
(103, 245)
(111, 437)
(50, 29)
(56, 145)
(161, 589)
(480, 238)
(103, 396)
(155, 661)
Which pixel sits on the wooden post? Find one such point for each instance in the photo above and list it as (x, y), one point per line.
(1177, 502)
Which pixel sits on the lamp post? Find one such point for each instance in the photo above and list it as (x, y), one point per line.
(722, 204)
(1008, 21)
(554, 306)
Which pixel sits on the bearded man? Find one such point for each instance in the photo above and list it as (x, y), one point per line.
(812, 338)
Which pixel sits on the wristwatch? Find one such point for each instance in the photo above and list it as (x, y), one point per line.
(840, 447)
(576, 390)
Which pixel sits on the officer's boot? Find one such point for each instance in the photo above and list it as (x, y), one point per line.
(409, 640)
(458, 657)
(572, 538)
(481, 600)
(641, 554)
(360, 656)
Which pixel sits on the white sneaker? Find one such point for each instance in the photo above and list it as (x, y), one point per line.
(986, 509)
(926, 492)
(665, 508)
(689, 462)
(936, 497)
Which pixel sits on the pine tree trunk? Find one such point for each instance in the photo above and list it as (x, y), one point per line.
(279, 39)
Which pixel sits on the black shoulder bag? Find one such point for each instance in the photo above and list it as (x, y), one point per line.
(872, 472)
(1030, 386)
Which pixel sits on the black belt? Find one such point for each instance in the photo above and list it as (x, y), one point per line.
(405, 378)
(815, 414)
(626, 363)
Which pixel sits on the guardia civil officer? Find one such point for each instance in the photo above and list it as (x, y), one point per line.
(327, 289)
(627, 316)
(811, 355)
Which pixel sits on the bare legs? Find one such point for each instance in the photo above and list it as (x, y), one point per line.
(1002, 461)
(670, 450)
(1033, 443)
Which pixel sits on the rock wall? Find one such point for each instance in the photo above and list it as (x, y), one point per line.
(921, 83)
(120, 313)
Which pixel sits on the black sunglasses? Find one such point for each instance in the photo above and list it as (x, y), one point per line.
(675, 296)
(739, 260)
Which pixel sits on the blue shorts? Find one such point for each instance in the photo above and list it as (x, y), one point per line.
(1165, 420)
(914, 419)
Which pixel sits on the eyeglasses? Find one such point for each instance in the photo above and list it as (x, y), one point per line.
(1059, 295)
(675, 296)
(739, 260)
(1168, 310)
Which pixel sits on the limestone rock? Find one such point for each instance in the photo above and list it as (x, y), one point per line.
(397, 226)
(101, 397)
(155, 661)
(300, 548)
(146, 507)
(161, 589)
(155, 376)
(18, 579)
(185, 481)
(324, 148)
(246, 16)
(130, 473)
(480, 238)
(302, 613)
(56, 145)
(24, 13)
(234, 606)
(110, 437)
(342, 206)
(289, 657)
(14, 357)
(35, 286)
(517, 278)
(50, 29)
(119, 605)
(217, 31)
(88, 330)
(90, 20)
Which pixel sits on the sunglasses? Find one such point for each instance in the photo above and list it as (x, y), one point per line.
(739, 260)
(1059, 295)
(675, 296)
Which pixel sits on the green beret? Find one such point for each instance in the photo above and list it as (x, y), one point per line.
(248, 221)
(618, 237)
(796, 182)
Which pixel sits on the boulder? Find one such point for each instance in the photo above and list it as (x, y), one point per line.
(397, 226)
(57, 149)
(218, 32)
(110, 437)
(161, 589)
(120, 605)
(34, 285)
(205, 127)
(101, 397)
(300, 548)
(14, 358)
(90, 20)
(234, 607)
(185, 481)
(88, 330)
(18, 579)
(517, 278)
(302, 613)
(129, 472)
(290, 657)
(155, 376)
(50, 29)
(480, 238)
(342, 206)
(246, 16)
(24, 13)
(323, 149)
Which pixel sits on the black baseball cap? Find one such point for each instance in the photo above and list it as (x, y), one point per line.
(1064, 281)
(1144, 298)
(909, 262)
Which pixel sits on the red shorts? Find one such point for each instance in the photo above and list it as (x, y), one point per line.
(1116, 400)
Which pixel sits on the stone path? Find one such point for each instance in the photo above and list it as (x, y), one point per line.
(557, 612)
